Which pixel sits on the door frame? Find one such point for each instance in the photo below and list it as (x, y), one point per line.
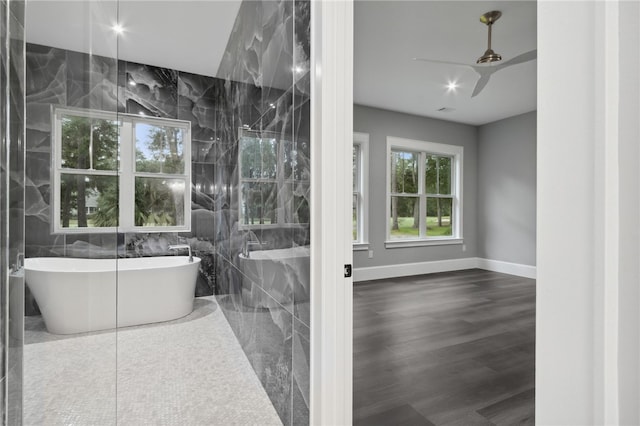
(331, 193)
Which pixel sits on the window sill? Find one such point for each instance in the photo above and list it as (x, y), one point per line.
(360, 246)
(273, 226)
(421, 243)
(120, 230)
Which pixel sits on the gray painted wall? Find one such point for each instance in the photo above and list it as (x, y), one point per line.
(379, 124)
(507, 190)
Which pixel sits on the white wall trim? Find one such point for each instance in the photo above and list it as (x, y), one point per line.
(419, 268)
(518, 269)
(408, 269)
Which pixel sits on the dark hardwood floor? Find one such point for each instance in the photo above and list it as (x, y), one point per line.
(454, 348)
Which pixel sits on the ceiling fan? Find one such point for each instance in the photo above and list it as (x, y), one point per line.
(489, 57)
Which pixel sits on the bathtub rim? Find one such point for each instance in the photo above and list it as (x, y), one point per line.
(109, 265)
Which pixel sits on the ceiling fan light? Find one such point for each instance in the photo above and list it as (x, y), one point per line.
(488, 57)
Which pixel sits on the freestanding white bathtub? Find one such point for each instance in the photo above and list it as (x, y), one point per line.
(282, 273)
(80, 295)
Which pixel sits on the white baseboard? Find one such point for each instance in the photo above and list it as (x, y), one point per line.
(518, 269)
(419, 268)
(408, 269)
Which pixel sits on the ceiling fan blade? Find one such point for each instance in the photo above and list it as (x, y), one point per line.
(442, 62)
(525, 57)
(481, 83)
(485, 72)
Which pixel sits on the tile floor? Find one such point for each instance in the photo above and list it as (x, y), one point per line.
(190, 371)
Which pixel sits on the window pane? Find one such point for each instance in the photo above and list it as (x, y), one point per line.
(88, 201)
(259, 158)
(431, 172)
(259, 202)
(293, 198)
(303, 164)
(300, 209)
(296, 164)
(439, 217)
(355, 217)
(444, 175)
(438, 175)
(356, 167)
(88, 143)
(405, 217)
(159, 202)
(289, 158)
(404, 172)
(159, 149)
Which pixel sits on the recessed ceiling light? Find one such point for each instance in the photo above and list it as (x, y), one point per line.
(117, 28)
(452, 86)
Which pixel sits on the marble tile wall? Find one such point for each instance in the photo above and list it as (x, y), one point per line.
(262, 83)
(59, 77)
(11, 208)
(268, 306)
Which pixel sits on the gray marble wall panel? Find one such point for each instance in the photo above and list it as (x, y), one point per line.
(92, 82)
(150, 90)
(46, 77)
(265, 68)
(266, 336)
(11, 207)
(301, 373)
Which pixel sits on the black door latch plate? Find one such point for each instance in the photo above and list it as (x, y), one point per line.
(347, 271)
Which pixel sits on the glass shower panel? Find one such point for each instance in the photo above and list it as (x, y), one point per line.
(71, 243)
(183, 353)
(11, 209)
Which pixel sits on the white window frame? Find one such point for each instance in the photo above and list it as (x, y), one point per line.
(280, 181)
(126, 172)
(362, 191)
(424, 148)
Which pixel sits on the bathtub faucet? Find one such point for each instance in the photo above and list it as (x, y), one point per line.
(250, 246)
(182, 246)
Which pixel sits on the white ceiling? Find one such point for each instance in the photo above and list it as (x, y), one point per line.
(388, 34)
(183, 35)
(191, 36)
